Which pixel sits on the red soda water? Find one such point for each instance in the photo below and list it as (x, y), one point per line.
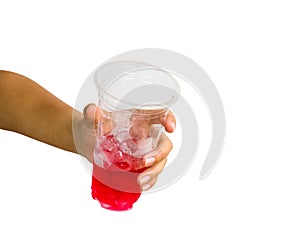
(115, 184)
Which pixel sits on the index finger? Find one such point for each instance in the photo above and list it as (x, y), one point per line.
(168, 121)
(157, 116)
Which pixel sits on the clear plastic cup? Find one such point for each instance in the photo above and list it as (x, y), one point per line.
(134, 99)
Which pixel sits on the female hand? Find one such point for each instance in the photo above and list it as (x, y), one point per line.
(84, 133)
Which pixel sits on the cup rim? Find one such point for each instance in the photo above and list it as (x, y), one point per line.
(131, 105)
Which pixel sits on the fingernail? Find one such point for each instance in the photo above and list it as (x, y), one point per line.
(149, 161)
(144, 179)
(146, 187)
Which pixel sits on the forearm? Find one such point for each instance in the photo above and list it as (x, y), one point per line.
(29, 109)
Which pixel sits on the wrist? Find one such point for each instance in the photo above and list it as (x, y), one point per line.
(76, 122)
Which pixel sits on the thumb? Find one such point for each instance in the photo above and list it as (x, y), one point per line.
(92, 115)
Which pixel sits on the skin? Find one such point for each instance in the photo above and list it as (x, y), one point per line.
(29, 109)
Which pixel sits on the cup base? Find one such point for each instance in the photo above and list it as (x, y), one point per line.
(118, 208)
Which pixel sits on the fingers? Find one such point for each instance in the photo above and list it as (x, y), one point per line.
(161, 152)
(169, 122)
(155, 161)
(91, 115)
(157, 117)
(149, 177)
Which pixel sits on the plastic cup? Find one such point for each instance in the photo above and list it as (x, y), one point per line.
(134, 99)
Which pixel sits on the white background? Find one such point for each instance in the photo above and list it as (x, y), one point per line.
(250, 49)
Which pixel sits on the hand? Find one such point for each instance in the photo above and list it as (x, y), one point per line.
(156, 159)
(84, 131)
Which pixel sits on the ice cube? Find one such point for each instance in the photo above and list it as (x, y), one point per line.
(155, 133)
(124, 147)
(108, 143)
(100, 158)
(122, 136)
(132, 145)
(117, 156)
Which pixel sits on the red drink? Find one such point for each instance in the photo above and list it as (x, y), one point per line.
(114, 184)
